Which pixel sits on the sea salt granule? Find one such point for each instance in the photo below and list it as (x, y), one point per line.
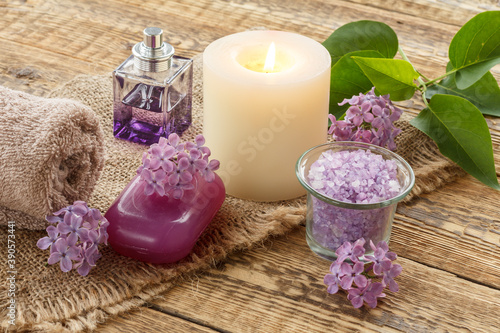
(358, 176)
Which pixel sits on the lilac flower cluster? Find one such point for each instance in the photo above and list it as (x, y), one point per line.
(357, 176)
(168, 167)
(369, 119)
(354, 276)
(74, 241)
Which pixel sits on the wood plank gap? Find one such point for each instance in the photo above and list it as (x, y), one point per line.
(453, 273)
(145, 319)
(183, 317)
(392, 10)
(401, 17)
(49, 50)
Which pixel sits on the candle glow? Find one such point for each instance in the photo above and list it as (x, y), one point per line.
(270, 58)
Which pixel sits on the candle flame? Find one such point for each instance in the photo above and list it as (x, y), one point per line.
(270, 58)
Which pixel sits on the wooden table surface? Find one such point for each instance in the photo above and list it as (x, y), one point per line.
(448, 241)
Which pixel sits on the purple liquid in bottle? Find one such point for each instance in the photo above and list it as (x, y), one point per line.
(152, 92)
(160, 229)
(139, 117)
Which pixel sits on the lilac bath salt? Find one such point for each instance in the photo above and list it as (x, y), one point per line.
(356, 176)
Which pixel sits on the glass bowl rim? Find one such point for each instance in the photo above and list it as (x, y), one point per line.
(354, 145)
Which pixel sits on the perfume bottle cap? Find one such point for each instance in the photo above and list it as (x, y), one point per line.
(152, 54)
(153, 37)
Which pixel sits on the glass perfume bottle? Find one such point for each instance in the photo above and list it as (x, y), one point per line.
(152, 91)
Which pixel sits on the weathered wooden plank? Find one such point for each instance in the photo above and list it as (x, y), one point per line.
(280, 289)
(149, 320)
(454, 229)
(445, 11)
(102, 34)
(96, 46)
(38, 71)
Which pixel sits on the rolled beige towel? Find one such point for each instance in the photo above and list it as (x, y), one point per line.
(51, 153)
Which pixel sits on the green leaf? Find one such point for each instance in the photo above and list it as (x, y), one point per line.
(362, 35)
(484, 94)
(390, 76)
(461, 133)
(348, 79)
(475, 49)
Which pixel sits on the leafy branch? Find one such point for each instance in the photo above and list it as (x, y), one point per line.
(363, 56)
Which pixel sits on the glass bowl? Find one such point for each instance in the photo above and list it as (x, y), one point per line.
(330, 222)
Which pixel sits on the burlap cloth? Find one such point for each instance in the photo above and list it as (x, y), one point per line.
(50, 300)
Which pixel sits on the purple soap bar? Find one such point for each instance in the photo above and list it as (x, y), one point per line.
(161, 229)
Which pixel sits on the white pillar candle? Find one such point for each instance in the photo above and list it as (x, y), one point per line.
(258, 121)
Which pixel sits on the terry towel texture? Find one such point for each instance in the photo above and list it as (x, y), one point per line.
(51, 153)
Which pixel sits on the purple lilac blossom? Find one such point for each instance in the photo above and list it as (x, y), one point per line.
(154, 181)
(161, 158)
(389, 276)
(381, 258)
(354, 274)
(74, 241)
(351, 251)
(332, 280)
(168, 167)
(78, 208)
(64, 254)
(72, 228)
(367, 294)
(369, 119)
(357, 176)
(355, 278)
(46, 242)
